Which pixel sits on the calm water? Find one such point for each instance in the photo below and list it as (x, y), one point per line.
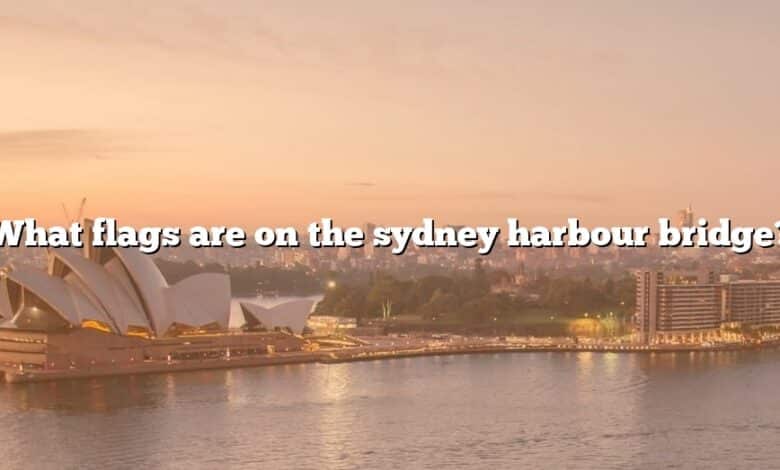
(534, 410)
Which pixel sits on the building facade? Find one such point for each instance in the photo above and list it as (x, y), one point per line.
(753, 302)
(670, 304)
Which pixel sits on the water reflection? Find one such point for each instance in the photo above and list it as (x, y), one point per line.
(94, 395)
(532, 410)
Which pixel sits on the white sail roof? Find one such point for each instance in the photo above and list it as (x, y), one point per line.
(67, 301)
(290, 315)
(197, 301)
(148, 282)
(5, 304)
(104, 288)
(121, 288)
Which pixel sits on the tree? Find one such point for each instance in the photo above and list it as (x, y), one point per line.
(440, 305)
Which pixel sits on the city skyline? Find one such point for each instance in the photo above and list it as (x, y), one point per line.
(198, 113)
(428, 234)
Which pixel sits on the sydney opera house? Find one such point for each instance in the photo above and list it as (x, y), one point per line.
(103, 310)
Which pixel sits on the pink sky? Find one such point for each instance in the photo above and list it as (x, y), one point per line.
(282, 112)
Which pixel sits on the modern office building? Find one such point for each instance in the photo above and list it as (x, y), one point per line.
(679, 304)
(685, 217)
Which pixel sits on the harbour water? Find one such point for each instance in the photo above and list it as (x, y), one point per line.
(522, 410)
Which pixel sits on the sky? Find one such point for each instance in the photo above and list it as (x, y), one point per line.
(283, 112)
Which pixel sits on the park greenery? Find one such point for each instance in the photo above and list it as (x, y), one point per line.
(580, 304)
(480, 297)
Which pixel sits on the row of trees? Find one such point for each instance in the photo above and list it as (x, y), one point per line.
(581, 295)
(432, 297)
(459, 298)
(453, 297)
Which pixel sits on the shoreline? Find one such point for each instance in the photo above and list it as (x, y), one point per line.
(357, 354)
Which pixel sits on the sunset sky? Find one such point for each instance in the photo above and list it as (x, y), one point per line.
(282, 112)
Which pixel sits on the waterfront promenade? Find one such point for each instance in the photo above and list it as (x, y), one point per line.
(377, 348)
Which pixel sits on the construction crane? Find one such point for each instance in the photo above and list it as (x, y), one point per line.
(81, 210)
(67, 214)
(79, 214)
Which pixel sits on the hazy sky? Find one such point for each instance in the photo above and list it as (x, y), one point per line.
(276, 112)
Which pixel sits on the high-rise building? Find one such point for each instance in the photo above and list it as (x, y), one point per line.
(647, 283)
(679, 304)
(369, 249)
(685, 217)
(752, 302)
(676, 304)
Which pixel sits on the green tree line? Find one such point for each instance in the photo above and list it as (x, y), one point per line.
(468, 298)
